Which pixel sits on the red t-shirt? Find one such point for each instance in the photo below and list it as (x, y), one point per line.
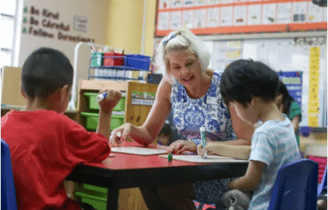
(45, 147)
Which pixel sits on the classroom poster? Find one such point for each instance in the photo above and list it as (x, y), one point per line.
(299, 12)
(250, 16)
(224, 52)
(269, 14)
(213, 17)
(188, 18)
(314, 79)
(254, 15)
(142, 98)
(315, 13)
(293, 82)
(200, 18)
(239, 15)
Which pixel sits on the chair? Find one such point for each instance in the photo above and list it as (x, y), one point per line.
(296, 186)
(323, 185)
(8, 194)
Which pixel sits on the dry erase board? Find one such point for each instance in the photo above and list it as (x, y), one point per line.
(239, 16)
(310, 58)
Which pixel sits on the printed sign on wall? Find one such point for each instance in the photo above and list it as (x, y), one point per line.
(251, 16)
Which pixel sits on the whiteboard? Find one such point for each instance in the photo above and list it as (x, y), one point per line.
(288, 55)
(285, 54)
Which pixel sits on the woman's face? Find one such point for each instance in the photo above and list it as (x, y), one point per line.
(185, 67)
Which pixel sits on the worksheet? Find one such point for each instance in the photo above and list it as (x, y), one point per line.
(138, 150)
(209, 159)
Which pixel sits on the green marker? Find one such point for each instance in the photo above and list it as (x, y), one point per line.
(203, 138)
(169, 157)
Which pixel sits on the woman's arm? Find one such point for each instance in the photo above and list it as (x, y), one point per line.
(243, 130)
(148, 132)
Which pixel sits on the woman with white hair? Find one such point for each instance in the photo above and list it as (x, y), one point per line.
(192, 92)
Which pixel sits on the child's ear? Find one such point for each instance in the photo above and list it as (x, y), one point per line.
(64, 92)
(23, 93)
(253, 101)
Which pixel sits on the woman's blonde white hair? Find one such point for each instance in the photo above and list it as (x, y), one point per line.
(181, 40)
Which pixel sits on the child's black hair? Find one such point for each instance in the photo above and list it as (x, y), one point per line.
(45, 71)
(286, 98)
(244, 79)
(166, 130)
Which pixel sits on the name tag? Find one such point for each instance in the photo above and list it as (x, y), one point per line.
(212, 100)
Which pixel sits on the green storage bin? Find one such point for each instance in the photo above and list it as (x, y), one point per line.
(91, 120)
(102, 190)
(97, 200)
(116, 121)
(93, 103)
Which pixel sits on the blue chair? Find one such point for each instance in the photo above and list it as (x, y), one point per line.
(323, 185)
(296, 186)
(8, 194)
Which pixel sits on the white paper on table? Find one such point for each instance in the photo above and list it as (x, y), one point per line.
(209, 159)
(138, 150)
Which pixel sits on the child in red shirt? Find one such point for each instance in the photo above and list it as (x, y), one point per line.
(45, 145)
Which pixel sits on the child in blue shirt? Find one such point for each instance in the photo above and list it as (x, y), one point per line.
(250, 87)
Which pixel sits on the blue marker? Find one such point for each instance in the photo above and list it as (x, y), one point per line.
(100, 97)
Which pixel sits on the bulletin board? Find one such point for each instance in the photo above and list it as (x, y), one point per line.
(239, 16)
(293, 82)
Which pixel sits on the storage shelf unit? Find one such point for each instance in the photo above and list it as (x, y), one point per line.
(135, 114)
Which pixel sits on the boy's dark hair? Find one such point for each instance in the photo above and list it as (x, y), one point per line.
(244, 79)
(286, 98)
(166, 130)
(45, 71)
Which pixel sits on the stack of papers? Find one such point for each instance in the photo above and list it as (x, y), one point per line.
(138, 150)
(209, 159)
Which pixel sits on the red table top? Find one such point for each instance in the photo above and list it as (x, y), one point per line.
(123, 161)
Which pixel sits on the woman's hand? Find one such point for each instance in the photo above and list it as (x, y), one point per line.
(119, 134)
(180, 146)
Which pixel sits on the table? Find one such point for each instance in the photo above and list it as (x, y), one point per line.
(130, 171)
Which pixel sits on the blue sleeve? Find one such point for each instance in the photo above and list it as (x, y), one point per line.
(197, 141)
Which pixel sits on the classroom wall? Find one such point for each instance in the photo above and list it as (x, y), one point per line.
(92, 26)
(125, 24)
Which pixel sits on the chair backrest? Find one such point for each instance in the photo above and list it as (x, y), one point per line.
(8, 194)
(296, 186)
(323, 185)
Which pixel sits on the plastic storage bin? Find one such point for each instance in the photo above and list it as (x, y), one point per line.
(95, 188)
(91, 120)
(115, 59)
(93, 103)
(97, 200)
(137, 61)
(96, 59)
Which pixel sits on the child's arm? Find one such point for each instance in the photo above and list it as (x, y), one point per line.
(251, 179)
(105, 111)
(234, 151)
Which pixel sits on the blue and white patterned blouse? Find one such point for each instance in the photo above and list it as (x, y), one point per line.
(209, 111)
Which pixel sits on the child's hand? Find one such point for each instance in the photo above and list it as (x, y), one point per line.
(108, 103)
(201, 150)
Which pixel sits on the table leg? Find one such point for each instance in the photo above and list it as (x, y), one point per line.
(112, 198)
